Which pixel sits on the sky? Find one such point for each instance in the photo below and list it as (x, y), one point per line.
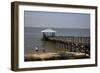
(56, 20)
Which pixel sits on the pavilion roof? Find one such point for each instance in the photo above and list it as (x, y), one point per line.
(48, 30)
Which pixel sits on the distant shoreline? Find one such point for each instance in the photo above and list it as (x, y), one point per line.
(56, 28)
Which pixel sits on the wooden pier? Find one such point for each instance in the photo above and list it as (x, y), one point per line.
(71, 44)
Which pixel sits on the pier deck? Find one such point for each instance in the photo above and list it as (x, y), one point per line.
(64, 39)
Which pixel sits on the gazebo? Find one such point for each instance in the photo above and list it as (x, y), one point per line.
(48, 33)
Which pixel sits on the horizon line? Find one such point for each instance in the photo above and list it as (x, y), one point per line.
(57, 27)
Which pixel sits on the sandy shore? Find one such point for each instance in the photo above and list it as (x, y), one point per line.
(54, 56)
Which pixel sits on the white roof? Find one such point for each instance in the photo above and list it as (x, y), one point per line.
(48, 30)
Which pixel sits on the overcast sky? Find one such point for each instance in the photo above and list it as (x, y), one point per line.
(56, 19)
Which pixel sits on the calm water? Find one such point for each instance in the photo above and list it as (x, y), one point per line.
(33, 36)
